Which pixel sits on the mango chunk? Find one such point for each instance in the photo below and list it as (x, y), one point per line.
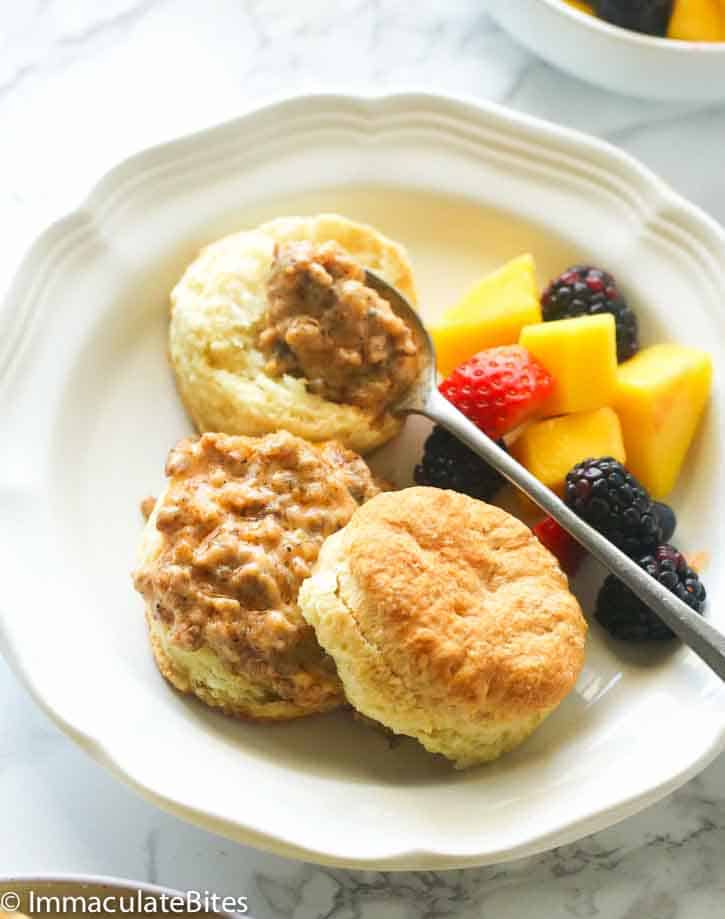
(581, 356)
(697, 20)
(492, 313)
(579, 5)
(550, 448)
(661, 395)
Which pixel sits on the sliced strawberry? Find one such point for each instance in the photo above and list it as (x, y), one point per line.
(499, 389)
(567, 550)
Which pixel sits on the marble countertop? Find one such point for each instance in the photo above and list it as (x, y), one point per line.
(83, 84)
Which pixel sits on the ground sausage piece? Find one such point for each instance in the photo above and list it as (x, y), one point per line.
(242, 522)
(324, 324)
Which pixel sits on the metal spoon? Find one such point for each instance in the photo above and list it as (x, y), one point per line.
(423, 398)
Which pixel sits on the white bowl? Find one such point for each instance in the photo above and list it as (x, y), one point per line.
(90, 411)
(615, 58)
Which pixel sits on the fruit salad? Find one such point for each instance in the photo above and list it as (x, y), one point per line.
(560, 380)
(685, 20)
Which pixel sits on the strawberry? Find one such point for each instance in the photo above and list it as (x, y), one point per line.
(567, 550)
(498, 389)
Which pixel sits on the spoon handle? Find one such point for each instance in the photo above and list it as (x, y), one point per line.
(705, 641)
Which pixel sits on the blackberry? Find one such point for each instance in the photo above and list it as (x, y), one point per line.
(448, 463)
(586, 291)
(610, 499)
(649, 16)
(626, 617)
(667, 520)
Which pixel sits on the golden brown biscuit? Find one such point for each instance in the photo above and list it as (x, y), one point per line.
(224, 551)
(217, 312)
(447, 621)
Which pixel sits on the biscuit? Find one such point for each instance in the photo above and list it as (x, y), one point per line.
(447, 620)
(224, 551)
(216, 312)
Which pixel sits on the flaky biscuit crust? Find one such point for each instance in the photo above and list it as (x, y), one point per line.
(447, 620)
(216, 311)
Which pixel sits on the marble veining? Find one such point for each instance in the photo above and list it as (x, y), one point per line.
(83, 84)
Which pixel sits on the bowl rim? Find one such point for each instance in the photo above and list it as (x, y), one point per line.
(636, 39)
(657, 195)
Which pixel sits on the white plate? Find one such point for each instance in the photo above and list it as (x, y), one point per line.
(618, 59)
(90, 412)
